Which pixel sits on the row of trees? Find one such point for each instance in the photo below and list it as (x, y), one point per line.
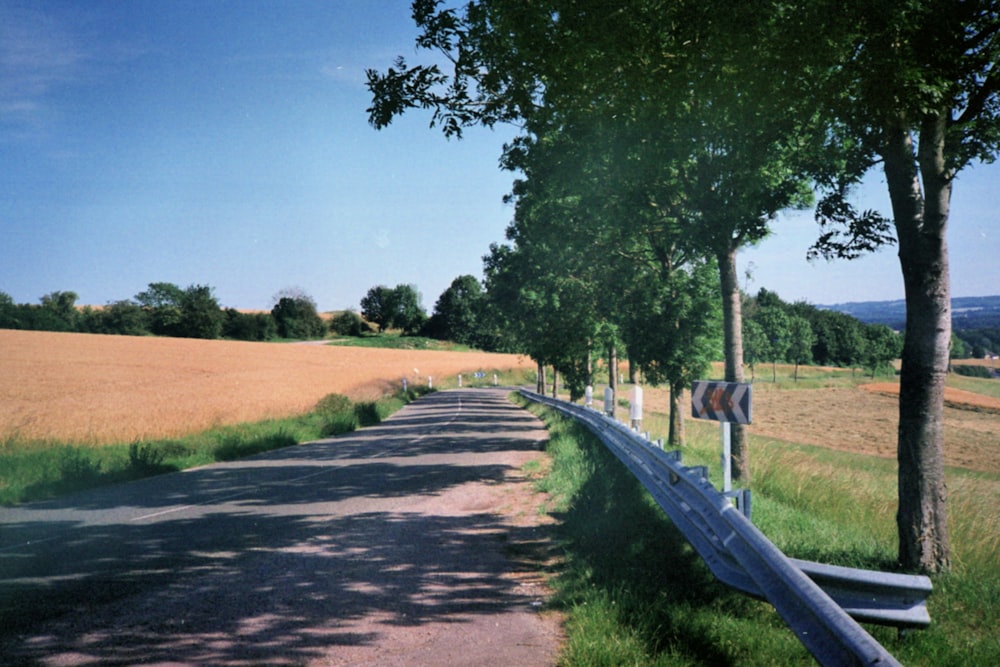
(662, 137)
(775, 331)
(164, 309)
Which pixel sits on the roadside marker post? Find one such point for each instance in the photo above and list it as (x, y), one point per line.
(588, 396)
(726, 402)
(635, 407)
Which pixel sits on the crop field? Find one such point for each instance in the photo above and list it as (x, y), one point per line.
(845, 411)
(96, 389)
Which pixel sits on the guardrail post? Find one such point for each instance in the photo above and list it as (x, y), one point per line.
(741, 498)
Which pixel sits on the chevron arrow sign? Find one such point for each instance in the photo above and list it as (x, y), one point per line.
(721, 401)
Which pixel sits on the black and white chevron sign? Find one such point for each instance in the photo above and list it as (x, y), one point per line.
(721, 401)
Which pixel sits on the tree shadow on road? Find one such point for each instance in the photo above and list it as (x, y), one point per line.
(274, 561)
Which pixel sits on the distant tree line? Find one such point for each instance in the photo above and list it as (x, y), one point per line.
(164, 309)
(775, 331)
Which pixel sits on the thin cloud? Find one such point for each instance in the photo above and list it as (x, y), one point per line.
(37, 56)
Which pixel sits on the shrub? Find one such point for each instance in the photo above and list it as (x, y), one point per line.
(972, 371)
(347, 323)
(337, 414)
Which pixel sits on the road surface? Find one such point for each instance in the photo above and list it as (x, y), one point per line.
(415, 542)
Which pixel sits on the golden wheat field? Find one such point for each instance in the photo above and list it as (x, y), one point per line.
(97, 389)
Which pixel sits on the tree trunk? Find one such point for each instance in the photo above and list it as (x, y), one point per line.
(555, 383)
(732, 320)
(540, 384)
(676, 435)
(921, 224)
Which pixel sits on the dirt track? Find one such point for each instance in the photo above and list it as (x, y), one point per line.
(416, 542)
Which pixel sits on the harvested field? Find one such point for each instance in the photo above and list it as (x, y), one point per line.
(98, 389)
(863, 419)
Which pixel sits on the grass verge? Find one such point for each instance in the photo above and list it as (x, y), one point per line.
(36, 470)
(636, 593)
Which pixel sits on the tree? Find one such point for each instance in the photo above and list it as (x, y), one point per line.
(407, 313)
(883, 345)
(456, 312)
(913, 86)
(378, 306)
(296, 317)
(200, 314)
(672, 332)
(801, 339)
(754, 345)
(248, 326)
(161, 302)
(59, 309)
(715, 135)
(124, 317)
(398, 308)
(776, 327)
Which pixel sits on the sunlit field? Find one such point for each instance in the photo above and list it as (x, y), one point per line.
(95, 389)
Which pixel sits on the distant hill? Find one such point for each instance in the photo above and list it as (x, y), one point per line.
(967, 312)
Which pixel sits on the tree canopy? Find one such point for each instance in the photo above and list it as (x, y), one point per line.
(719, 115)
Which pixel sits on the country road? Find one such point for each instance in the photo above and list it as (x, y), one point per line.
(415, 542)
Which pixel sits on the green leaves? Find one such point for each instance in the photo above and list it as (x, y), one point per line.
(846, 232)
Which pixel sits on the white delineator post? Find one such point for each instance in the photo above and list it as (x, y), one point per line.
(635, 406)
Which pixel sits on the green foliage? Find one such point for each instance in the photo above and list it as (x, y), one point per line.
(457, 312)
(882, 346)
(337, 413)
(249, 326)
(777, 335)
(295, 317)
(973, 371)
(161, 301)
(348, 323)
(201, 316)
(124, 317)
(235, 445)
(397, 308)
(186, 313)
(61, 310)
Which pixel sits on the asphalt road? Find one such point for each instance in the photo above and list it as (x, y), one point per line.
(402, 544)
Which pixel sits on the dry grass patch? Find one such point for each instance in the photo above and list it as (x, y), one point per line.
(99, 389)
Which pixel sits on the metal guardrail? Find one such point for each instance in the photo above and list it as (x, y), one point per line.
(820, 603)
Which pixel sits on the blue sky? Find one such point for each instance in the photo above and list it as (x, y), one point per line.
(227, 144)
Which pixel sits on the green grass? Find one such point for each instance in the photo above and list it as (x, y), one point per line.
(985, 386)
(35, 470)
(398, 342)
(635, 592)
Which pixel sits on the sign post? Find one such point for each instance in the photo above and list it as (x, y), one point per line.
(726, 402)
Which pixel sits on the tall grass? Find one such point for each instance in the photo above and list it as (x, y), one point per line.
(34, 470)
(636, 593)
